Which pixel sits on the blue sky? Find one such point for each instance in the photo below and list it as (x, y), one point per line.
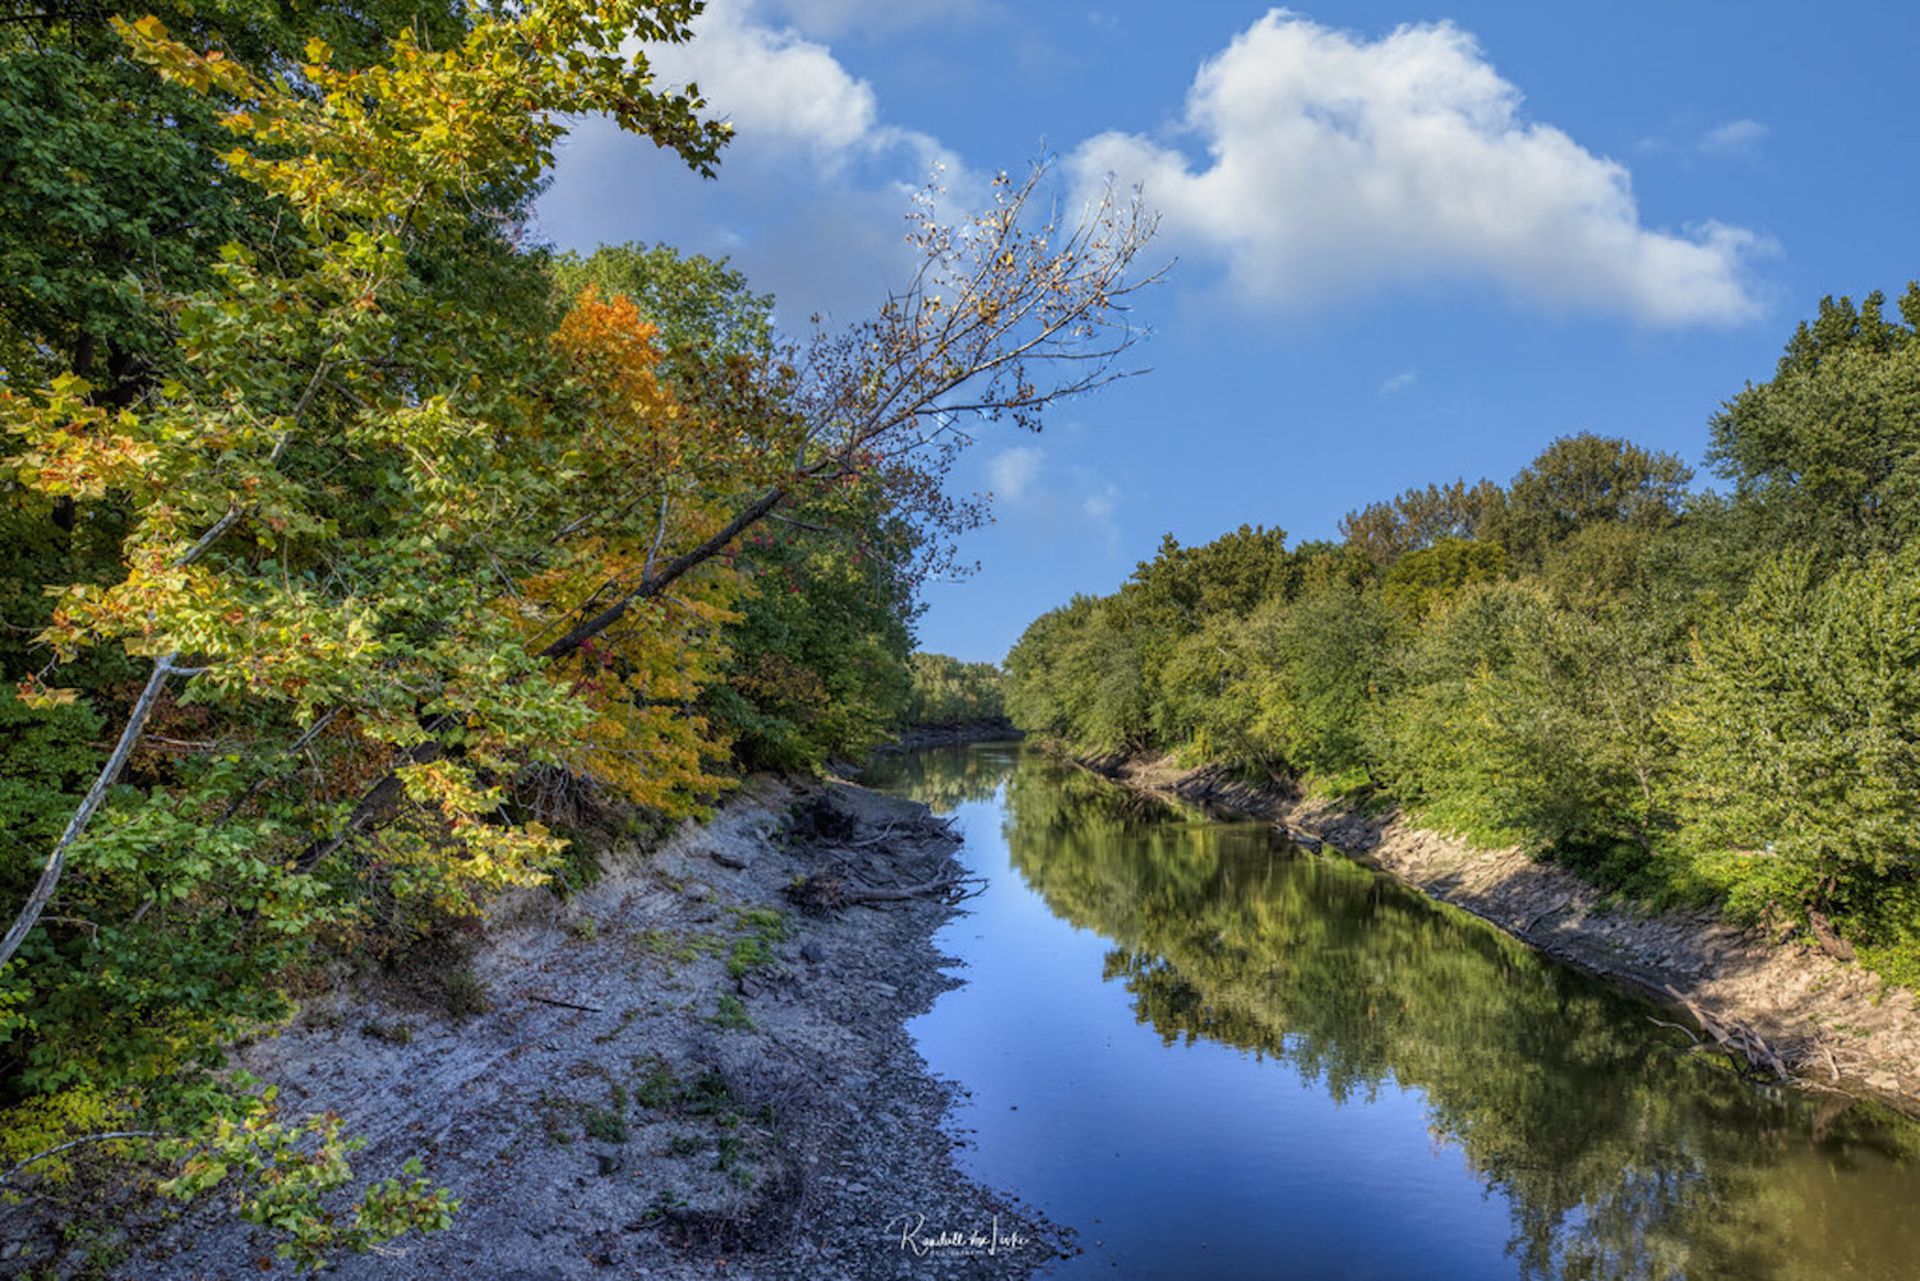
(1413, 243)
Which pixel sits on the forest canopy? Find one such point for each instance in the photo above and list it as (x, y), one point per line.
(1689, 695)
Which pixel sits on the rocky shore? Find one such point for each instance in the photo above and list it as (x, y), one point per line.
(1827, 1024)
(696, 1067)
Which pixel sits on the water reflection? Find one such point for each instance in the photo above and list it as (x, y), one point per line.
(1616, 1154)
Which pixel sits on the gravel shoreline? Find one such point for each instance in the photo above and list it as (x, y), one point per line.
(664, 1083)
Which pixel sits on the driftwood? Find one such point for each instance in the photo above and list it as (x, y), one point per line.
(1748, 1050)
(946, 887)
(110, 1135)
(1555, 910)
(824, 891)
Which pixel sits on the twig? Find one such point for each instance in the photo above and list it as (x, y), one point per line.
(565, 1005)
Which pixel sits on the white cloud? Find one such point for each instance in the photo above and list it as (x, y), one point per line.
(1736, 136)
(1335, 165)
(1399, 382)
(1013, 471)
(811, 191)
(778, 88)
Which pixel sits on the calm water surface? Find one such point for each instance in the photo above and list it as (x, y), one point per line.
(1218, 1056)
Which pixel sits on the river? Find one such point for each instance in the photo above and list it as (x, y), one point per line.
(1217, 1055)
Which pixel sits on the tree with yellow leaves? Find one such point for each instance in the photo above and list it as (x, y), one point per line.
(395, 543)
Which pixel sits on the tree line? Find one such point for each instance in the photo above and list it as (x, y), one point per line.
(365, 554)
(1692, 695)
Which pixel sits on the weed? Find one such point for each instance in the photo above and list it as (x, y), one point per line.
(747, 954)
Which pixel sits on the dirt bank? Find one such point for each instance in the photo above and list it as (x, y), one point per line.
(1835, 1025)
(667, 1080)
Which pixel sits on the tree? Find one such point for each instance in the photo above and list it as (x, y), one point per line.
(1799, 723)
(815, 661)
(1423, 581)
(334, 492)
(1324, 660)
(1584, 480)
(703, 307)
(946, 691)
(1829, 448)
(1419, 518)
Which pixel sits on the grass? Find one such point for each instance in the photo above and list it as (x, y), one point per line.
(674, 948)
(730, 1014)
(763, 928)
(462, 993)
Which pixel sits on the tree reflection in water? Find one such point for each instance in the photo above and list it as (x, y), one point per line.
(1620, 1153)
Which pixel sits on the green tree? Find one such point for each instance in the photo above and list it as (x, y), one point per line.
(1829, 448)
(1585, 480)
(946, 691)
(1799, 725)
(1422, 581)
(1324, 659)
(1419, 518)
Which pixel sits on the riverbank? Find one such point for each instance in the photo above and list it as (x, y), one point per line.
(1832, 1025)
(915, 737)
(676, 1073)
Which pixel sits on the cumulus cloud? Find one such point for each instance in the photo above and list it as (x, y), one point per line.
(1399, 382)
(811, 143)
(1335, 164)
(1013, 472)
(779, 88)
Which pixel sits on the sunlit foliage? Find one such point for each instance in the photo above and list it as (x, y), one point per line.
(1689, 696)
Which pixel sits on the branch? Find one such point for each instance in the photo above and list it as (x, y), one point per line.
(109, 774)
(74, 1143)
(136, 719)
(945, 886)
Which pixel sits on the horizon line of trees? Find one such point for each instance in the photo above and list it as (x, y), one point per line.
(1690, 696)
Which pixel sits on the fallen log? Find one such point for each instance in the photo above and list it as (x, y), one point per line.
(1746, 1047)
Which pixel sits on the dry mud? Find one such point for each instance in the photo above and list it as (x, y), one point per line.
(604, 1117)
(1836, 1025)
